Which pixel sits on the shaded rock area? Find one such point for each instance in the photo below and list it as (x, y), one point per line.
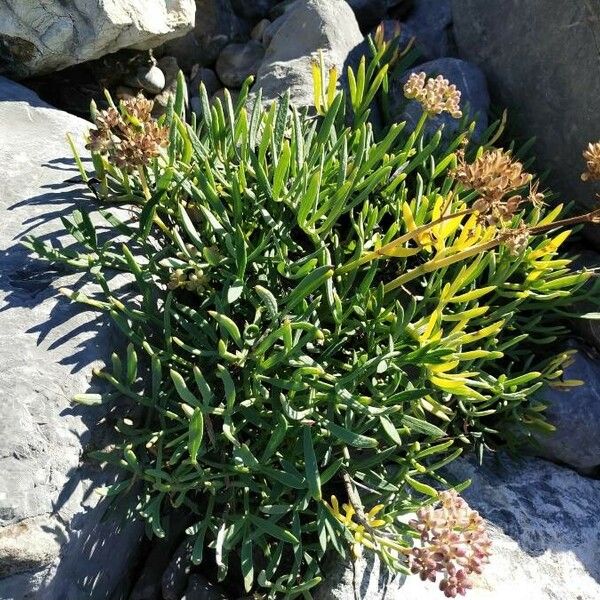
(554, 100)
(52, 541)
(38, 37)
(544, 525)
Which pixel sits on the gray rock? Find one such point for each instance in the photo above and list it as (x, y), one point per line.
(206, 76)
(544, 525)
(40, 37)
(258, 31)
(393, 28)
(368, 12)
(170, 67)
(468, 78)
(272, 29)
(151, 79)
(554, 100)
(308, 26)
(237, 61)
(175, 578)
(216, 26)
(53, 543)
(281, 8)
(575, 412)
(253, 9)
(431, 20)
(200, 588)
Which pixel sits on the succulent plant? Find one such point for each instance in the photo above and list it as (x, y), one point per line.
(320, 309)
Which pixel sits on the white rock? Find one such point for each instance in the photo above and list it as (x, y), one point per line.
(39, 37)
(52, 541)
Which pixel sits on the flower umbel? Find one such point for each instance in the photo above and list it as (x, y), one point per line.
(592, 162)
(454, 543)
(436, 95)
(129, 136)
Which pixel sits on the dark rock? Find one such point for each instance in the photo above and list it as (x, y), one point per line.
(575, 412)
(308, 26)
(200, 588)
(431, 21)
(56, 538)
(368, 12)
(542, 519)
(151, 79)
(206, 76)
(216, 26)
(253, 9)
(556, 100)
(175, 578)
(468, 79)
(237, 61)
(259, 29)
(271, 29)
(393, 28)
(281, 8)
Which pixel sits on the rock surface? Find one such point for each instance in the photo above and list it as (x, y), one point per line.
(368, 12)
(575, 412)
(309, 25)
(47, 349)
(556, 100)
(237, 61)
(431, 22)
(544, 524)
(468, 78)
(216, 26)
(39, 37)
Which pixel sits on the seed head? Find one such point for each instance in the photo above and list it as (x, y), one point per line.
(436, 95)
(592, 162)
(454, 543)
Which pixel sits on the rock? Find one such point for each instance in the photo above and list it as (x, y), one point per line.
(238, 61)
(308, 26)
(431, 21)
(124, 92)
(53, 541)
(393, 28)
(151, 79)
(206, 76)
(259, 29)
(216, 26)
(575, 412)
(220, 94)
(368, 12)
(253, 9)
(200, 588)
(175, 578)
(468, 79)
(39, 37)
(281, 8)
(559, 103)
(544, 525)
(271, 29)
(169, 66)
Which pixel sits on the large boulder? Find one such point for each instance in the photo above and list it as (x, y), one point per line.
(53, 542)
(544, 525)
(541, 57)
(575, 412)
(307, 27)
(39, 37)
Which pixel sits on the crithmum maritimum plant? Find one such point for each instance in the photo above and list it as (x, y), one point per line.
(322, 311)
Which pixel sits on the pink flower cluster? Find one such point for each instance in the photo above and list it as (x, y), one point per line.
(454, 543)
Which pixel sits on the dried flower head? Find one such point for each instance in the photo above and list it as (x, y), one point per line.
(129, 136)
(516, 239)
(592, 162)
(454, 543)
(494, 174)
(436, 95)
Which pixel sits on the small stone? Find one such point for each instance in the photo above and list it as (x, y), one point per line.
(237, 61)
(206, 76)
(170, 67)
(259, 29)
(200, 588)
(124, 92)
(152, 80)
(474, 101)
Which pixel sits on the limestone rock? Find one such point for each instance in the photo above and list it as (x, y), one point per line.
(52, 541)
(544, 525)
(575, 412)
(40, 37)
(468, 79)
(555, 100)
(308, 25)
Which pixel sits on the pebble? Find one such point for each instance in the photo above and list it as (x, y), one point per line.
(206, 76)
(152, 80)
(237, 61)
(259, 29)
